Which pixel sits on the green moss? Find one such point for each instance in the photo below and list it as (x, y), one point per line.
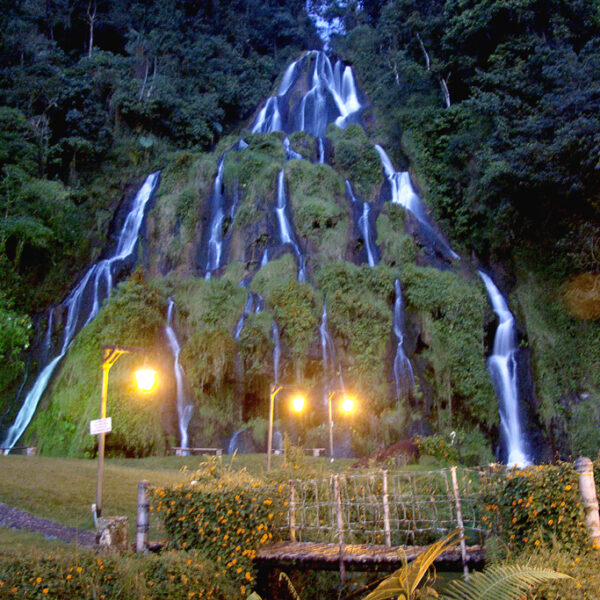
(356, 159)
(451, 310)
(133, 317)
(305, 144)
(565, 353)
(359, 307)
(395, 246)
(275, 272)
(317, 197)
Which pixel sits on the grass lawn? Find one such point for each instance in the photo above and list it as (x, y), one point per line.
(63, 489)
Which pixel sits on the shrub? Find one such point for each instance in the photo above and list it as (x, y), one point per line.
(536, 505)
(437, 447)
(85, 575)
(224, 516)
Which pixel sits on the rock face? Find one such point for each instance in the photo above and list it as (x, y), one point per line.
(112, 534)
(301, 211)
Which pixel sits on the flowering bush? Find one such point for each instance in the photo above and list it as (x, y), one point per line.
(225, 516)
(438, 447)
(535, 505)
(85, 575)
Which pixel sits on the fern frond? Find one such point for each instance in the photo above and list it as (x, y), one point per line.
(290, 585)
(500, 583)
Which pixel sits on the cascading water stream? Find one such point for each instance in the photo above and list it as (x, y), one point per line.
(184, 408)
(285, 231)
(290, 153)
(364, 226)
(74, 305)
(404, 194)
(502, 365)
(332, 97)
(403, 372)
(217, 216)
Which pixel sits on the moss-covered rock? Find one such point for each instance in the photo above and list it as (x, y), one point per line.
(450, 311)
(355, 158)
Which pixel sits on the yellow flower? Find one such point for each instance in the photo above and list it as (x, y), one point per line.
(45, 591)
(38, 580)
(567, 487)
(69, 576)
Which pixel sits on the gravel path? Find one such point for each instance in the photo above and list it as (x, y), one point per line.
(20, 519)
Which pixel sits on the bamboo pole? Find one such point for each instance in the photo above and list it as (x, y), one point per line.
(292, 511)
(340, 526)
(587, 489)
(459, 519)
(386, 511)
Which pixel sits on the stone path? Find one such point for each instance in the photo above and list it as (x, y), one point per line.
(20, 519)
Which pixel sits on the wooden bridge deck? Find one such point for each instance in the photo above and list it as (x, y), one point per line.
(356, 557)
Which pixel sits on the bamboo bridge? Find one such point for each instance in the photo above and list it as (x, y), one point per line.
(377, 521)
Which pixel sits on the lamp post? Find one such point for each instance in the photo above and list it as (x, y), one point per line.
(297, 405)
(145, 378)
(348, 405)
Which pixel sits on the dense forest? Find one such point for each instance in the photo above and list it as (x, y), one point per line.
(493, 106)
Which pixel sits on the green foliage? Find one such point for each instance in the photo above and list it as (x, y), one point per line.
(534, 506)
(565, 351)
(356, 159)
(134, 316)
(451, 312)
(396, 248)
(15, 332)
(359, 307)
(296, 312)
(86, 575)
(501, 583)
(222, 515)
(437, 447)
(317, 195)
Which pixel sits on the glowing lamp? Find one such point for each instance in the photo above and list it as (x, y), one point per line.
(146, 379)
(348, 404)
(298, 403)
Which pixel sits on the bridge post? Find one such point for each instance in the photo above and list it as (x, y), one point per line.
(587, 488)
(340, 525)
(292, 512)
(386, 511)
(459, 520)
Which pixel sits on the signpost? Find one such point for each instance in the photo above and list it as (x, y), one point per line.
(98, 426)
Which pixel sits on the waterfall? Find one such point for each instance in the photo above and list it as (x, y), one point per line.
(403, 373)
(502, 365)
(290, 153)
(404, 194)
(217, 216)
(321, 151)
(332, 97)
(269, 118)
(285, 229)
(75, 305)
(327, 347)
(184, 408)
(364, 226)
(276, 352)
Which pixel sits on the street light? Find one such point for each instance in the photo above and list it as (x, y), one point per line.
(348, 405)
(146, 381)
(297, 405)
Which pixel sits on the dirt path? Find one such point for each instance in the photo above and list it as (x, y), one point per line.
(20, 519)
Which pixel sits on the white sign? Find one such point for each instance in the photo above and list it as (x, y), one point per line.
(101, 426)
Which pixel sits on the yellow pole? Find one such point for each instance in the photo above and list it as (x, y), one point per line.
(274, 391)
(329, 398)
(101, 441)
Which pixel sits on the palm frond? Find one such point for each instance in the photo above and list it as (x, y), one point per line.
(500, 583)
